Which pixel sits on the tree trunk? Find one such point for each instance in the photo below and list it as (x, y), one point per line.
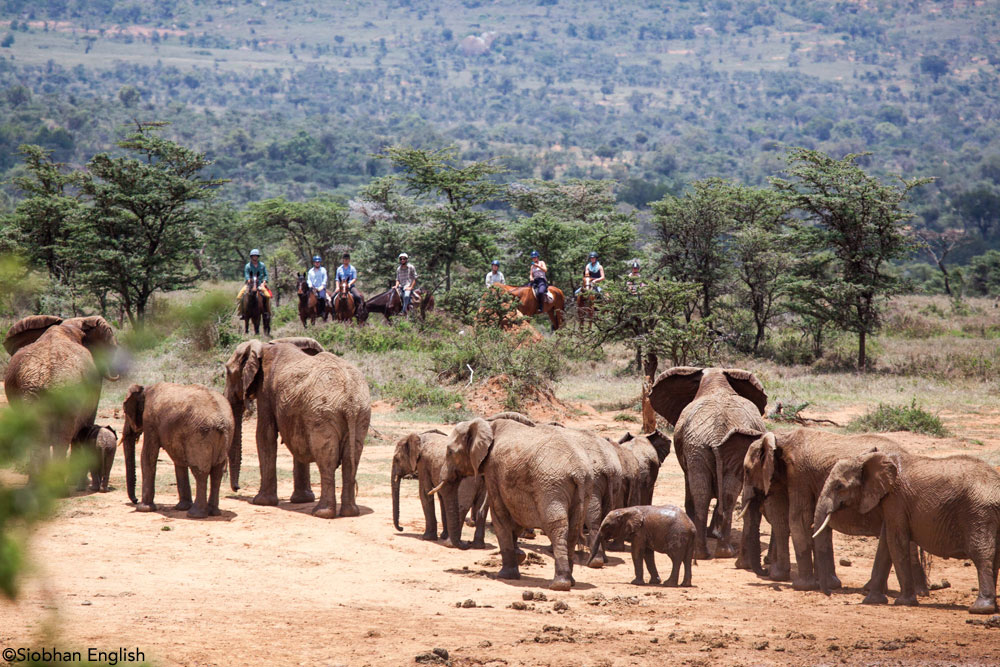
(447, 276)
(861, 351)
(947, 283)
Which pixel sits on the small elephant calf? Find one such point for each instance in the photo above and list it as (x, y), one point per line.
(650, 528)
(105, 440)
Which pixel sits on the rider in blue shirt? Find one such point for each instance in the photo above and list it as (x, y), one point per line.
(317, 277)
(346, 277)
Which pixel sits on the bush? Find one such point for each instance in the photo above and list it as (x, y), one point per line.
(789, 348)
(493, 352)
(412, 393)
(911, 418)
(207, 322)
(497, 308)
(462, 301)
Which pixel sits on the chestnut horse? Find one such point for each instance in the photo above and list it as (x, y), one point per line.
(310, 305)
(585, 308)
(343, 305)
(528, 303)
(255, 307)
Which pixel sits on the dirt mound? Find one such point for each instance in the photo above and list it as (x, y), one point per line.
(501, 393)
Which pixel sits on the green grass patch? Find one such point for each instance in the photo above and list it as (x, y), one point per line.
(411, 394)
(910, 417)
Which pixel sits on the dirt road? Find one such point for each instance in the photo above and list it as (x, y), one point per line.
(276, 586)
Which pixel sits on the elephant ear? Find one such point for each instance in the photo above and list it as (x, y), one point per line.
(479, 439)
(878, 477)
(760, 457)
(625, 438)
(27, 331)
(634, 523)
(308, 345)
(412, 450)
(245, 365)
(673, 390)
(96, 331)
(660, 443)
(134, 404)
(748, 386)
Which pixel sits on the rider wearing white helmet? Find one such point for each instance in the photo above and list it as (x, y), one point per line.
(406, 280)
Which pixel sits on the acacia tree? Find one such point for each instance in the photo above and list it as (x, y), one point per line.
(455, 226)
(692, 230)
(938, 245)
(857, 225)
(138, 233)
(316, 226)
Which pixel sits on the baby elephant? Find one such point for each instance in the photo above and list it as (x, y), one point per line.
(195, 425)
(650, 528)
(105, 441)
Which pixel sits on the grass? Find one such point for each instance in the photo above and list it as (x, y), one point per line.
(886, 418)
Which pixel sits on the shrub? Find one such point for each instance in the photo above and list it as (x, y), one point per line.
(493, 352)
(886, 418)
(462, 301)
(497, 308)
(412, 393)
(207, 321)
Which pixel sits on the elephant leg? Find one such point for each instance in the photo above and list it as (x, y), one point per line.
(183, 488)
(826, 570)
(350, 454)
(715, 527)
(920, 584)
(984, 559)
(480, 508)
(638, 552)
(701, 496)
(728, 495)
(267, 455)
(558, 532)
(150, 451)
(898, 540)
(200, 508)
(878, 584)
(302, 492)
(503, 526)
(326, 508)
(805, 577)
(779, 558)
(654, 576)
(675, 569)
(213, 497)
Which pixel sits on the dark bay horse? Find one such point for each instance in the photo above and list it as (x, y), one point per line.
(343, 305)
(310, 305)
(254, 307)
(528, 303)
(390, 303)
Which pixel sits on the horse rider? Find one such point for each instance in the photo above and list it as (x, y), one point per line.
(594, 273)
(406, 280)
(317, 278)
(537, 275)
(255, 269)
(633, 281)
(346, 277)
(495, 277)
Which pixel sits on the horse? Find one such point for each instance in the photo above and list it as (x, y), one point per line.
(343, 305)
(585, 308)
(528, 303)
(388, 303)
(255, 307)
(310, 305)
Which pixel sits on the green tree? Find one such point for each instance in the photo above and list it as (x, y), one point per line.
(317, 226)
(934, 65)
(138, 234)
(455, 226)
(854, 228)
(692, 231)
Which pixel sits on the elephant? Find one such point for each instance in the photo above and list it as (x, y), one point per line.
(666, 529)
(716, 414)
(320, 406)
(422, 455)
(535, 478)
(649, 450)
(194, 425)
(950, 507)
(104, 439)
(789, 470)
(50, 353)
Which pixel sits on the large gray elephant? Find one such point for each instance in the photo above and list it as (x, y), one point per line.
(950, 507)
(195, 426)
(320, 406)
(422, 455)
(49, 353)
(716, 414)
(535, 478)
(789, 470)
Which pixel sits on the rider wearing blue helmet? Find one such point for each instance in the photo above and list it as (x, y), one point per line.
(593, 274)
(538, 276)
(317, 278)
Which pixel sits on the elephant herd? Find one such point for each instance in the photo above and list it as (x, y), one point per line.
(579, 488)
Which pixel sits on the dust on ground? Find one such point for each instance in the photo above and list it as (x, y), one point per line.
(276, 586)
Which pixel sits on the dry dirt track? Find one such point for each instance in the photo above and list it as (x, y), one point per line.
(275, 586)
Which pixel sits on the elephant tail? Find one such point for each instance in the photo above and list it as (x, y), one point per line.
(720, 505)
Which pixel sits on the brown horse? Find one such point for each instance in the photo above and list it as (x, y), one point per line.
(254, 307)
(528, 303)
(310, 305)
(343, 305)
(585, 308)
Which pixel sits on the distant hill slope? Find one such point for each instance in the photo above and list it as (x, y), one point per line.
(292, 97)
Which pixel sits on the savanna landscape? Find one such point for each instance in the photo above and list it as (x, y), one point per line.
(807, 191)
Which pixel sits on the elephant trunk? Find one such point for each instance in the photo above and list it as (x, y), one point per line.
(396, 477)
(236, 446)
(129, 437)
(751, 533)
(452, 517)
(821, 519)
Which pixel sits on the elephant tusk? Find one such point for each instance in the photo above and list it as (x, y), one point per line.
(826, 522)
(743, 512)
(436, 489)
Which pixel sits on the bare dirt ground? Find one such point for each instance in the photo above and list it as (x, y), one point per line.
(276, 586)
